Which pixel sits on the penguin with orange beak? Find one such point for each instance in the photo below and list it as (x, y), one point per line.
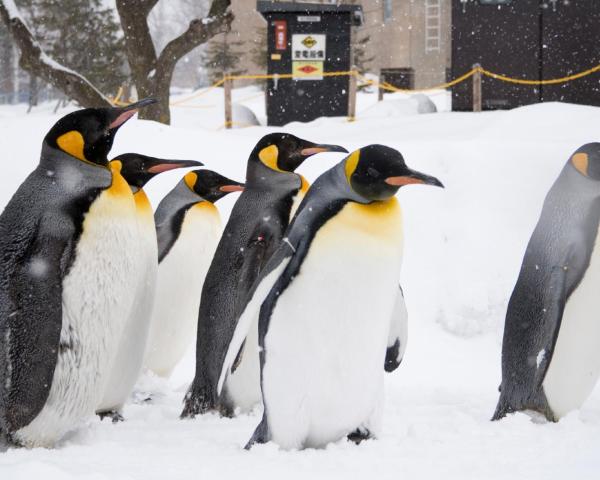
(126, 367)
(65, 276)
(260, 216)
(188, 226)
(327, 302)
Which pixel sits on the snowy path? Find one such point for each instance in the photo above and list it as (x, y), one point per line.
(463, 249)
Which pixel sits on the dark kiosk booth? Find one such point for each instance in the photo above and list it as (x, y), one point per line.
(305, 40)
(526, 39)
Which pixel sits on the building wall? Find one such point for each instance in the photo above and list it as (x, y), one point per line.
(398, 37)
(397, 31)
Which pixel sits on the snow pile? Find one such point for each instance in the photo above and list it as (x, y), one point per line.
(464, 247)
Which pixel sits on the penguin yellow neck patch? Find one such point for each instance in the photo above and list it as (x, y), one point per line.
(351, 164)
(72, 143)
(580, 161)
(268, 156)
(119, 184)
(305, 185)
(142, 204)
(190, 180)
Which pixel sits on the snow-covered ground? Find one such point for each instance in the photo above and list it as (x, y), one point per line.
(464, 247)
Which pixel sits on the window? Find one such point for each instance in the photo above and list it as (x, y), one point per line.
(433, 23)
(387, 10)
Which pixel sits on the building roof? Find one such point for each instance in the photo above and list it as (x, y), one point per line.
(267, 6)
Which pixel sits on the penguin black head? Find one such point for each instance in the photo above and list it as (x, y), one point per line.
(283, 152)
(210, 185)
(376, 172)
(139, 169)
(586, 160)
(88, 134)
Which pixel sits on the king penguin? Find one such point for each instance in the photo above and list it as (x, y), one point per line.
(551, 345)
(255, 227)
(326, 300)
(66, 238)
(188, 226)
(137, 170)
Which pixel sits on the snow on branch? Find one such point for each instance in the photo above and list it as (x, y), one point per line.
(35, 61)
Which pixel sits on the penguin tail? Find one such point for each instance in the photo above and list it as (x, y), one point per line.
(502, 409)
(534, 404)
(261, 434)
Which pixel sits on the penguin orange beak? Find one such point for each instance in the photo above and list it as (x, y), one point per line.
(129, 111)
(307, 152)
(231, 188)
(413, 178)
(172, 165)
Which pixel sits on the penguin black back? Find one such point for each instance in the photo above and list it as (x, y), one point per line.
(255, 226)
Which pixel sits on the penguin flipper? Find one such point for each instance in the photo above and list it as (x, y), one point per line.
(30, 331)
(398, 334)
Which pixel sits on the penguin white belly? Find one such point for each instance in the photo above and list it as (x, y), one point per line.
(127, 363)
(575, 365)
(242, 387)
(181, 276)
(326, 343)
(95, 304)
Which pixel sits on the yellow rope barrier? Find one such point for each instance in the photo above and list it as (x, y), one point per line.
(198, 94)
(552, 81)
(115, 101)
(383, 85)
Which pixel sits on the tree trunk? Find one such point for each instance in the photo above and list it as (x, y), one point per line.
(152, 73)
(38, 64)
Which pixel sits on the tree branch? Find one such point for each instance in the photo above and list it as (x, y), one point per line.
(199, 31)
(36, 62)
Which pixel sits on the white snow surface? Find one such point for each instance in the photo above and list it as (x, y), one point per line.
(463, 250)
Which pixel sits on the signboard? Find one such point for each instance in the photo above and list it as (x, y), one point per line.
(304, 70)
(280, 35)
(308, 46)
(308, 56)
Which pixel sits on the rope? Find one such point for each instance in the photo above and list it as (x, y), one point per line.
(552, 81)
(115, 101)
(382, 85)
(199, 93)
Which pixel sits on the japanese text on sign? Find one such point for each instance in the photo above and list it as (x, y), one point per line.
(308, 46)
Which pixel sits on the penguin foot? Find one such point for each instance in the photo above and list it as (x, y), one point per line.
(116, 417)
(195, 406)
(358, 435)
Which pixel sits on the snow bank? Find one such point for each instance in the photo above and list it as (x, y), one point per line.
(464, 247)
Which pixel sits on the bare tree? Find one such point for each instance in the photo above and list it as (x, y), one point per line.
(38, 64)
(152, 72)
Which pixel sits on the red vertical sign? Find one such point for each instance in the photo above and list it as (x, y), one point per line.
(280, 35)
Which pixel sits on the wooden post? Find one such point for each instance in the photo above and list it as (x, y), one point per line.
(352, 95)
(380, 89)
(227, 94)
(477, 100)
